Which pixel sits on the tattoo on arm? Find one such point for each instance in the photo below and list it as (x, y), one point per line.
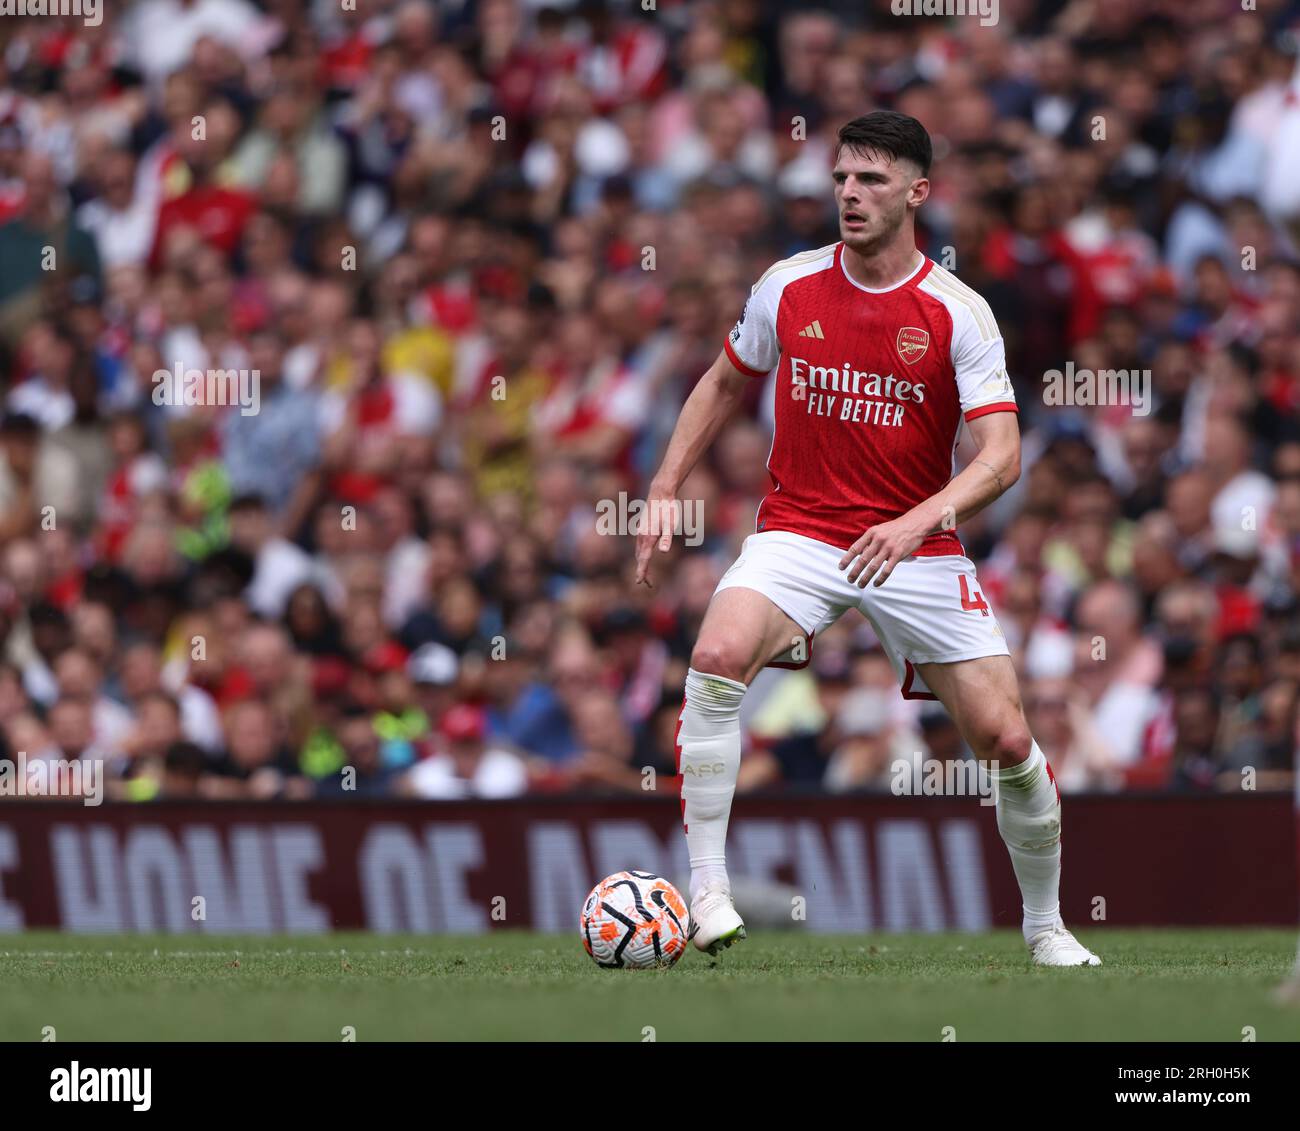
(996, 476)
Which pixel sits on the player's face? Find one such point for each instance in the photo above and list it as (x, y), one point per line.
(873, 194)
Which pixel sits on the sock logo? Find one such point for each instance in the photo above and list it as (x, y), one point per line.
(705, 769)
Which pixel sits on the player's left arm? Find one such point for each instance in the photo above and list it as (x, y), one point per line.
(988, 404)
(995, 467)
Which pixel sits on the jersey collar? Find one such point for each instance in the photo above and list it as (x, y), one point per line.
(922, 266)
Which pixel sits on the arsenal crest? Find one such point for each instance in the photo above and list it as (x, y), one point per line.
(912, 344)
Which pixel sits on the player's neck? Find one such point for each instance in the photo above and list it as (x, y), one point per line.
(884, 268)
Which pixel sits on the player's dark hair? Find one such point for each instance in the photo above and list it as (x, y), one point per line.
(897, 136)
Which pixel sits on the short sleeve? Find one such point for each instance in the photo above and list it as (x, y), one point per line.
(752, 345)
(980, 362)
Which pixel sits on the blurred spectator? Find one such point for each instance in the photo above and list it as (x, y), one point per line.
(45, 253)
(1061, 721)
(466, 763)
(862, 757)
(274, 452)
(363, 773)
(280, 567)
(1115, 667)
(255, 759)
(184, 767)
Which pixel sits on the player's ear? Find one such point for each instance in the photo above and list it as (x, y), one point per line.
(919, 192)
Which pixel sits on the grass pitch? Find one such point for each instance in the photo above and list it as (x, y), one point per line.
(1156, 985)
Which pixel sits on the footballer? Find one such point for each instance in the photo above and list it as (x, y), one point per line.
(881, 355)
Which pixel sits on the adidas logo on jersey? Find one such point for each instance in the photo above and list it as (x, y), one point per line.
(813, 330)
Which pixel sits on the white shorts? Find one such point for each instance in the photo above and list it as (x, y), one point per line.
(930, 611)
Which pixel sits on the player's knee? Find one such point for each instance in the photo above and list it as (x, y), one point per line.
(718, 657)
(1009, 745)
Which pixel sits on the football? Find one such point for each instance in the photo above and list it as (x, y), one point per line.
(635, 921)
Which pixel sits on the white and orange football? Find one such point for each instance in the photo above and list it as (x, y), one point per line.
(635, 921)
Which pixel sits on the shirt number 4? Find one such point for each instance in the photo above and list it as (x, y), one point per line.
(967, 602)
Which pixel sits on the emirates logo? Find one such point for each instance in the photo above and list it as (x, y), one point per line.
(912, 344)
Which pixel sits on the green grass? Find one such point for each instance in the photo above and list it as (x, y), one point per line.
(1154, 986)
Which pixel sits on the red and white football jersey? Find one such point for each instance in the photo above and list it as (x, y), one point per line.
(871, 390)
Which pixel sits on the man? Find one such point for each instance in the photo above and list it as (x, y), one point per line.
(880, 355)
(29, 290)
(279, 565)
(465, 762)
(33, 473)
(275, 452)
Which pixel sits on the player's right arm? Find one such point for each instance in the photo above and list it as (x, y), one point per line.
(706, 410)
(751, 350)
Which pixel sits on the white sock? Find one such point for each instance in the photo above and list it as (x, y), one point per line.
(708, 758)
(1029, 819)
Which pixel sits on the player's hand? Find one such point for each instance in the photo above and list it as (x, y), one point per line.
(662, 509)
(880, 549)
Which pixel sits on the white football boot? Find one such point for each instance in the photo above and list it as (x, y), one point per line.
(714, 922)
(1055, 946)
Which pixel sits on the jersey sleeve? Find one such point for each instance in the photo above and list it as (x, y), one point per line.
(980, 363)
(752, 345)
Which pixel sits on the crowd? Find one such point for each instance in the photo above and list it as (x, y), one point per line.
(478, 253)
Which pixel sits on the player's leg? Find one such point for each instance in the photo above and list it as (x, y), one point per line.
(983, 698)
(742, 631)
(945, 640)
